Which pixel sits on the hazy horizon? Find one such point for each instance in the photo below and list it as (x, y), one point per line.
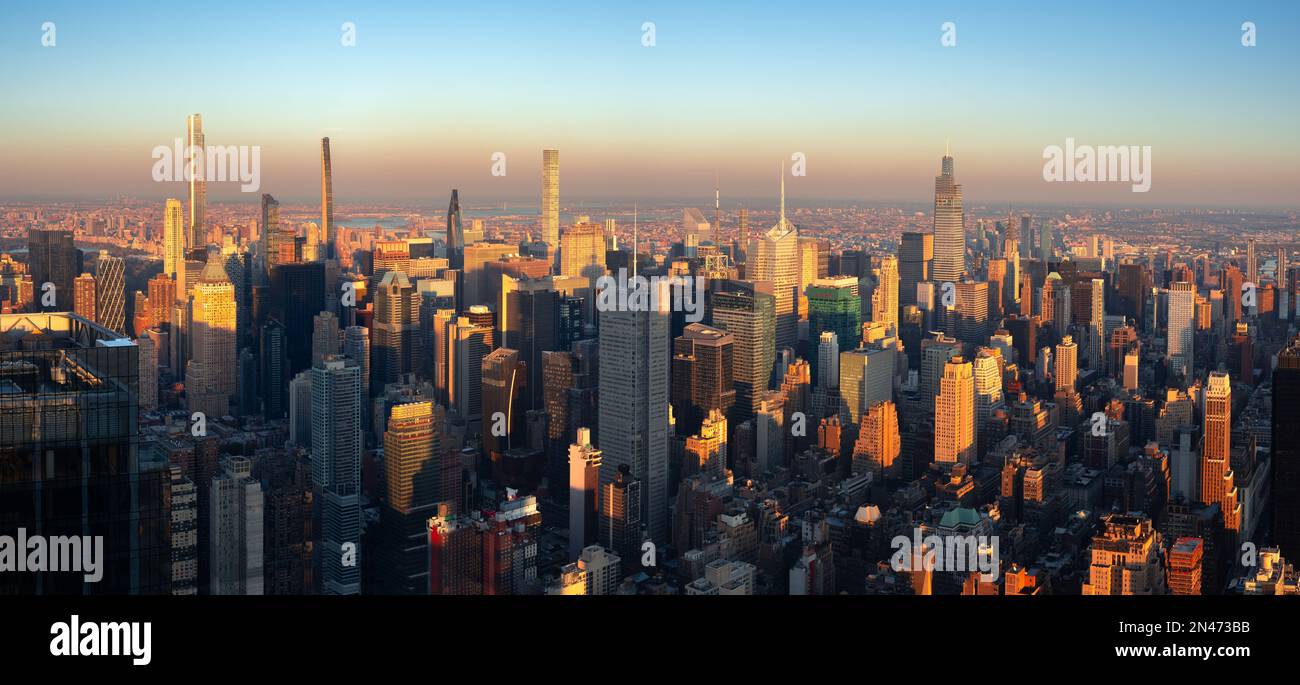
(868, 94)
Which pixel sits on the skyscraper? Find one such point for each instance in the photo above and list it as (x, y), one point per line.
(551, 197)
(834, 306)
(866, 377)
(504, 384)
(633, 411)
(968, 321)
(748, 314)
(1286, 450)
(954, 414)
(84, 300)
(174, 236)
(1252, 267)
(878, 443)
(69, 401)
(828, 361)
(620, 513)
(1126, 558)
(274, 369)
(297, 295)
(1182, 327)
(702, 381)
(584, 489)
(706, 451)
(1066, 371)
(236, 529)
(582, 251)
(884, 300)
(270, 235)
(356, 346)
(1096, 324)
(326, 200)
(988, 388)
(949, 226)
(110, 292)
(468, 343)
(336, 472)
(1185, 566)
(774, 258)
(1217, 482)
(915, 259)
(324, 336)
(395, 344)
(211, 373)
(529, 317)
(414, 453)
(52, 257)
(455, 233)
(198, 186)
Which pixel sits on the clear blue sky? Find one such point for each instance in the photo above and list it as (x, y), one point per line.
(864, 89)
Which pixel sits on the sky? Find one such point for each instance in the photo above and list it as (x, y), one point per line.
(729, 90)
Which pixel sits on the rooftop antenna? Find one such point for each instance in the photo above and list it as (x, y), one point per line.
(717, 210)
(781, 221)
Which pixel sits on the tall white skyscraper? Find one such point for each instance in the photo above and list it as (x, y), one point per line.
(551, 197)
(1182, 326)
(326, 201)
(633, 410)
(949, 226)
(584, 492)
(198, 186)
(236, 529)
(774, 257)
(336, 472)
(828, 361)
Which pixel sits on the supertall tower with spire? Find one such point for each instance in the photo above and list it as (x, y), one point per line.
(455, 233)
(949, 225)
(326, 200)
(198, 187)
(774, 257)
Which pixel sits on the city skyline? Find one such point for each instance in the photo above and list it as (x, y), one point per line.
(830, 300)
(641, 122)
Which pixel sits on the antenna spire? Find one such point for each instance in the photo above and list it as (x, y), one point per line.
(782, 220)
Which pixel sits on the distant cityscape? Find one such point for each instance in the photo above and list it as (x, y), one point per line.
(342, 398)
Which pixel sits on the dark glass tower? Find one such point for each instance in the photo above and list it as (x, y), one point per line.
(455, 233)
(297, 295)
(69, 459)
(1286, 451)
(53, 258)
